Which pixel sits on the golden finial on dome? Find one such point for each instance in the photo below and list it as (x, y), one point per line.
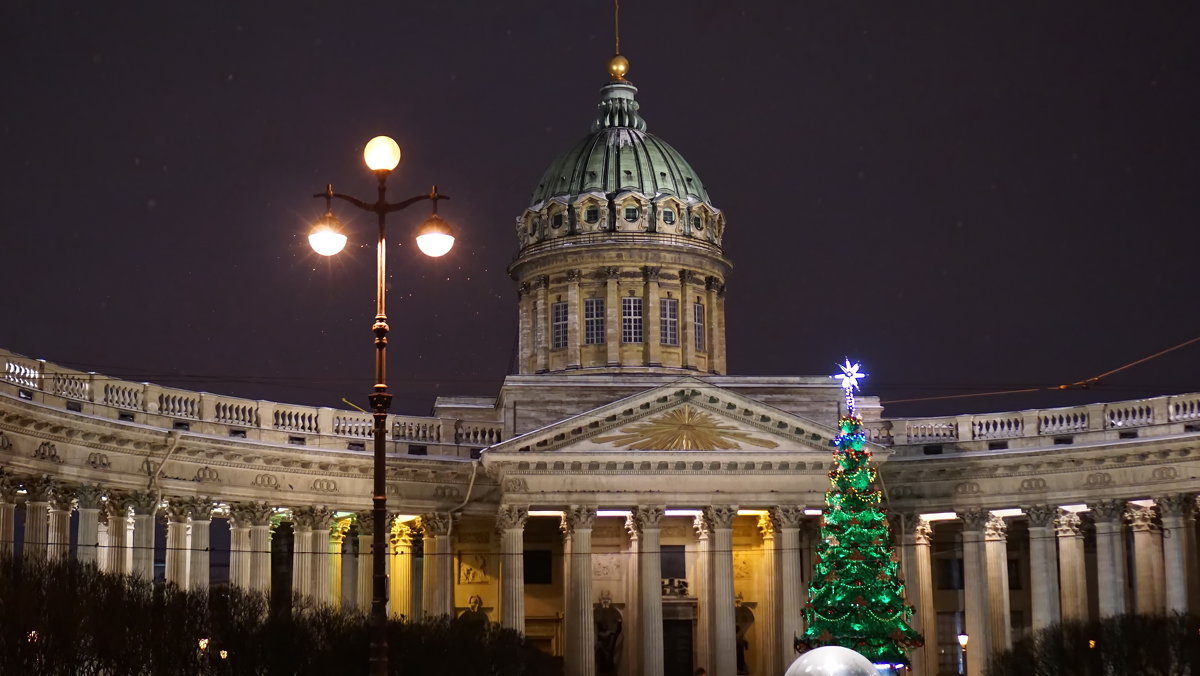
(618, 66)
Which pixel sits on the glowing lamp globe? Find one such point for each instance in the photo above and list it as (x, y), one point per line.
(381, 154)
(327, 237)
(435, 237)
(832, 660)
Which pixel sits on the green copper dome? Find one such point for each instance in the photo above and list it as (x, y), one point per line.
(619, 156)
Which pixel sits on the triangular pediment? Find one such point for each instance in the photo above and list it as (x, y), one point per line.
(686, 415)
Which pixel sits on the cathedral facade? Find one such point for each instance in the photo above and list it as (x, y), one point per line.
(623, 501)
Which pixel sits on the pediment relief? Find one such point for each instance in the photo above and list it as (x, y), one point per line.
(687, 416)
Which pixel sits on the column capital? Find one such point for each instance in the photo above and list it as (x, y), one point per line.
(177, 510)
(787, 516)
(720, 516)
(1041, 516)
(577, 517)
(1107, 510)
(1141, 518)
(434, 524)
(766, 527)
(511, 517)
(200, 509)
(145, 503)
(995, 529)
(648, 516)
(574, 275)
(700, 524)
(252, 513)
(541, 282)
(88, 496)
(1067, 524)
(62, 498)
(973, 519)
(9, 485)
(650, 272)
(923, 531)
(1176, 504)
(39, 489)
(612, 272)
(365, 520)
(523, 290)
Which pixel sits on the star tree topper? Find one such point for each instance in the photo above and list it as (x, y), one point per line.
(849, 377)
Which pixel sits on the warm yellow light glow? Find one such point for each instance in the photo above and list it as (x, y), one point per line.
(203, 644)
(962, 641)
(545, 512)
(224, 654)
(405, 518)
(435, 237)
(381, 154)
(327, 237)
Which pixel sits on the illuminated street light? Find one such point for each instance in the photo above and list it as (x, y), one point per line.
(435, 238)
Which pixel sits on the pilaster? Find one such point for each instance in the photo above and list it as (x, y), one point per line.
(612, 314)
(651, 315)
(574, 320)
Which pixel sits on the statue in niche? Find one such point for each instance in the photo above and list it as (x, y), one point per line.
(475, 616)
(743, 617)
(608, 635)
(472, 568)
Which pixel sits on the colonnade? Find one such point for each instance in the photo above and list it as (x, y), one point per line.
(1154, 577)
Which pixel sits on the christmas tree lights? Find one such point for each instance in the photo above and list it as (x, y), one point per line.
(856, 598)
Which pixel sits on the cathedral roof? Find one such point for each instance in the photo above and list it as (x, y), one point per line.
(619, 156)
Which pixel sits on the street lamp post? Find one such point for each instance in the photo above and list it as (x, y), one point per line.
(434, 238)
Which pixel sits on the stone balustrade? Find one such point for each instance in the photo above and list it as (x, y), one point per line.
(98, 395)
(1091, 423)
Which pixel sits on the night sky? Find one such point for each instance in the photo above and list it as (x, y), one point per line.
(965, 196)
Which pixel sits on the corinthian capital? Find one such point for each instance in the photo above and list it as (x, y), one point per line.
(720, 516)
(1176, 504)
(974, 519)
(648, 517)
(787, 516)
(1107, 510)
(1041, 516)
(511, 517)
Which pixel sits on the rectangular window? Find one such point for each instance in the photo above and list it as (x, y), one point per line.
(593, 321)
(668, 321)
(631, 319)
(558, 325)
(698, 324)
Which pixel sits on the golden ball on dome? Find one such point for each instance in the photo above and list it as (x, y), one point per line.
(618, 66)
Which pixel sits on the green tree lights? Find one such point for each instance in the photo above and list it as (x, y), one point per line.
(856, 598)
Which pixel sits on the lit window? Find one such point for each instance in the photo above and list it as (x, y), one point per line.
(558, 325)
(591, 215)
(668, 321)
(593, 321)
(698, 324)
(631, 214)
(668, 216)
(631, 319)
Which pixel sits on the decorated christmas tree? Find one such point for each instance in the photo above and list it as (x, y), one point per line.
(856, 598)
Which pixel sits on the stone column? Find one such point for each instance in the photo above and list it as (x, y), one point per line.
(702, 590)
(118, 533)
(574, 320)
(687, 320)
(579, 659)
(631, 627)
(322, 565)
(975, 601)
(920, 594)
(364, 591)
(199, 571)
(612, 315)
(257, 515)
(996, 545)
(145, 506)
(103, 550)
(1110, 588)
(651, 330)
(1071, 572)
(88, 529)
(541, 321)
(648, 521)
(787, 519)
(767, 607)
(337, 557)
(302, 525)
(9, 486)
(438, 593)
(1176, 512)
(710, 290)
(1147, 559)
(239, 545)
(723, 654)
(510, 521)
(401, 581)
(59, 538)
(1043, 567)
(177, 512)
(38, 493)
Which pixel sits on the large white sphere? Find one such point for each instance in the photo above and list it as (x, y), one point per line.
(832, 660)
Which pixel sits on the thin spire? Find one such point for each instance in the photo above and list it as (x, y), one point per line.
(617, 25)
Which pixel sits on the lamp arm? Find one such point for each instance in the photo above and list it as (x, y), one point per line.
(404, 204)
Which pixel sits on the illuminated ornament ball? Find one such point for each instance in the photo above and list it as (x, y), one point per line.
(832, 660)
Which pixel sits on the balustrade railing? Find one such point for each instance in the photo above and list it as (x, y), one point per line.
(34, 375)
